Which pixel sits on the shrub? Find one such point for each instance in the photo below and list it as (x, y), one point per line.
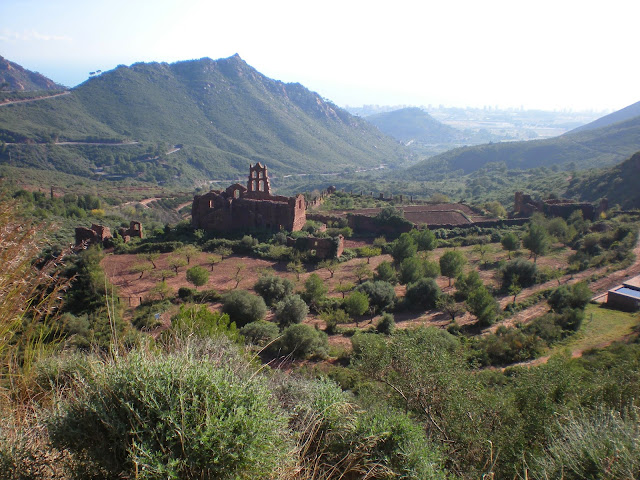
(510, 242)
(302, 341)
(171, 416)
(525, 272)
(507, 346)
(410, 270)
(424, 238)
(451, 263)
(423, 294)
(403, 247)
(273, 288)
(290, 310)
(146, 315)
(467, 284)
(198, 320)
(398, 444)
(382, 295)
(243, 307)
(356, 304)
(197, 276)
(482, 304)
(576, 296)
(333, 318)
(386, 272)
(570, 319)
(260, 333)
(387, 324)
(315, 291)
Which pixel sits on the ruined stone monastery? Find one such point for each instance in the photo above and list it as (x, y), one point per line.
(248, 208)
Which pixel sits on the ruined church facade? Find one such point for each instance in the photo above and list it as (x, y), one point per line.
(240, 208)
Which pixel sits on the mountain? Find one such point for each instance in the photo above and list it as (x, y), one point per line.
(414, 124)
(13, 77)
(587, 149)
(221, 114)
(618, 184)
(619, 116)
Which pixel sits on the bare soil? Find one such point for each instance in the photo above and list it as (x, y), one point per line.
(246, 270)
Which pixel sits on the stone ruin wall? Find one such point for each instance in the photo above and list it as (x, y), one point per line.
(323, 247)
(524, 205)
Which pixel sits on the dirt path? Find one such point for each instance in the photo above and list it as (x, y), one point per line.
(27, 100)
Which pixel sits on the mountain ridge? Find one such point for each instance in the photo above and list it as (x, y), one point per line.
(224, 112)
(621, 115)
(14, 77)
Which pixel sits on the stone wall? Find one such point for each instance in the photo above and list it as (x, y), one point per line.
(322, 247)
(95, 235)
(525, 206)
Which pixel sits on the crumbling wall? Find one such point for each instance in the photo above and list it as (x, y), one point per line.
(95, 235)
(322, 247)
(525, 206)
(134, 231)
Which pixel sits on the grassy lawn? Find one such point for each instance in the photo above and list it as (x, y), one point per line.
(600, 326)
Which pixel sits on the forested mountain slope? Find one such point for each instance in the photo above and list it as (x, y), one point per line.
(223, 114)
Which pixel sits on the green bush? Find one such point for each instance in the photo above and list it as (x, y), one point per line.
(273, 288)
(507, 346)
(467, 284)
(315, 291)
(398, 444)
(198, 320)
(144, 317)
(302, 341)
(482, 304)
(387, 324)
(423, 294)
(260, 333)
(290, 310)
(243, 307)
(577, 296)
(525, 272)
(171, 416)
(386, 272)
(382, 295)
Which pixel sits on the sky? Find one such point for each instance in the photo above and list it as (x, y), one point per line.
(542, 54)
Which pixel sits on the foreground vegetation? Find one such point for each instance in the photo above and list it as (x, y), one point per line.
(88, 394)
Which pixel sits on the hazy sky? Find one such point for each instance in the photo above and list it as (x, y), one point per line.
(537, 54)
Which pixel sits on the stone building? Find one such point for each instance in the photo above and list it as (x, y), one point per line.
(240, 208)
(525, 206)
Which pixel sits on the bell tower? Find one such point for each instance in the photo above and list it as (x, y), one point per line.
(258, 179)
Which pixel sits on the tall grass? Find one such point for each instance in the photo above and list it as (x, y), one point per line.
(30, 292)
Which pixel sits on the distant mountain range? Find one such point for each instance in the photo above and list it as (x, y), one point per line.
(414, 124)
(13, 77)
(578, 149)
(222, 114)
